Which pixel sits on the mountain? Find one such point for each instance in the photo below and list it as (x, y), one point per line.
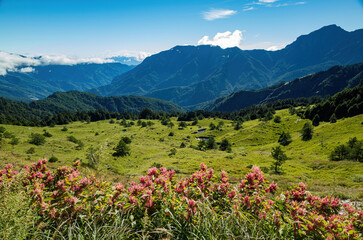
(44, 80)
(324, 83)
(189, 75)
(83, 101)
(35, 113)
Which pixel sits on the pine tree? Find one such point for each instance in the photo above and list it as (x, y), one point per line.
(307, 132)
(121, 149)
(333, 118)
(280, 157)
(316, 120)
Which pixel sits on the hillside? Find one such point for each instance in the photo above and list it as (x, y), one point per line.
(251, 145)
(73, 101)
(188, 75)
(47, 79)
(324, 83)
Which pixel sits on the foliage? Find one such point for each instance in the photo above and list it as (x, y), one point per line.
(127, 140)
(66, 204)
(352, 150)
(277, 119)
(30, 150)
(307, 132)
(37, 139)
(316, 120)
(285, 139)
(46, 133)
(280, 157)
(53, 159)
(79, 143)
(14, 141)
(225, 146)
(121, 149)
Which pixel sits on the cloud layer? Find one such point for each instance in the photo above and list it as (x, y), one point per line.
(224, 40)
(217, 13)
(17, 63)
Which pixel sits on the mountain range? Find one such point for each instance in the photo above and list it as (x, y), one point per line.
(324, 83)
(47, 79)
(190, 75)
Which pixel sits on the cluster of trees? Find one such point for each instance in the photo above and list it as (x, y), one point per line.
(352, 150)
(347, 103)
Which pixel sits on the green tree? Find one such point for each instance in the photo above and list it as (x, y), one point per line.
(333, 118)
(93, 157)
(316, 120)
(37, 139)
(307, 132)
(182, 124)
(280, 157)
(121, 149)
(277, 119)
(284, 139)
(212, 126)
(225, 146)
(127, 140)
(341, 152)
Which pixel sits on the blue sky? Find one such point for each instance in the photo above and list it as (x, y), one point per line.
(86, 28)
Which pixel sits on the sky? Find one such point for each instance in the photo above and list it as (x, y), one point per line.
(92, 28)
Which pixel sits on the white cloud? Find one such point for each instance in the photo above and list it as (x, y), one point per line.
(26, 70)
(224, 40)
(218, 13)
(138, 55)
(267, 1)
(248, 9)
(17, 63)
(269, 46)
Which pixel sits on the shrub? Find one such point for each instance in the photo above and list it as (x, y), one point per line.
(30, 150)
(47, 134)
(277, 119)
(225, 146)
(66, 204)
(171, 134)
(64, 129)
(37, 139)
(121, 149)
(182, 145)
(14, 141)
(316, 120)
(53, 159)
(352, 150)
(285, 139)
(333, 118)
(127, 140)
(172, 152)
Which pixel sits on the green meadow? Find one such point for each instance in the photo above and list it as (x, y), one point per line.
(308, 161)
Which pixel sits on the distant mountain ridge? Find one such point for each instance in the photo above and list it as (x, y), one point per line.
(45, 80)
(190, 75)
(324, 83)
(83, 101)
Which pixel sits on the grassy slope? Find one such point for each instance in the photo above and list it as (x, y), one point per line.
(251, 145)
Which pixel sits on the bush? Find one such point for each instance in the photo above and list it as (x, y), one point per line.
(316, 120)
(225, 146)
(284, 139)
(172, 152)
(352, 150)
(53, 159)
(127, 140)
(121, 149)
(171, 134)
(79, 143)
(14, 141)
(66, 204)
(277, 119)
(333, 118)
(30, 150)
(47, 134)
(64, 129)
(37, 139)
(182, 145)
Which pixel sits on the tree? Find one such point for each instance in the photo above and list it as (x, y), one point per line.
(277, 119)
(333, 118)
(238, 125)
(212, 126)
(268, 116)
(340, 153)
(280, 157)
(316, 120)
(284, 139)
(127, 140)
(307, 132)
(182, 124)
(225, 146)
(121, 149)
(37, 139)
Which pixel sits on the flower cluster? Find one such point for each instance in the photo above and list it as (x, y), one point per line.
(64, 194)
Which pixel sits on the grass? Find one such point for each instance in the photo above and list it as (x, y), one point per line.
(251, 145)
